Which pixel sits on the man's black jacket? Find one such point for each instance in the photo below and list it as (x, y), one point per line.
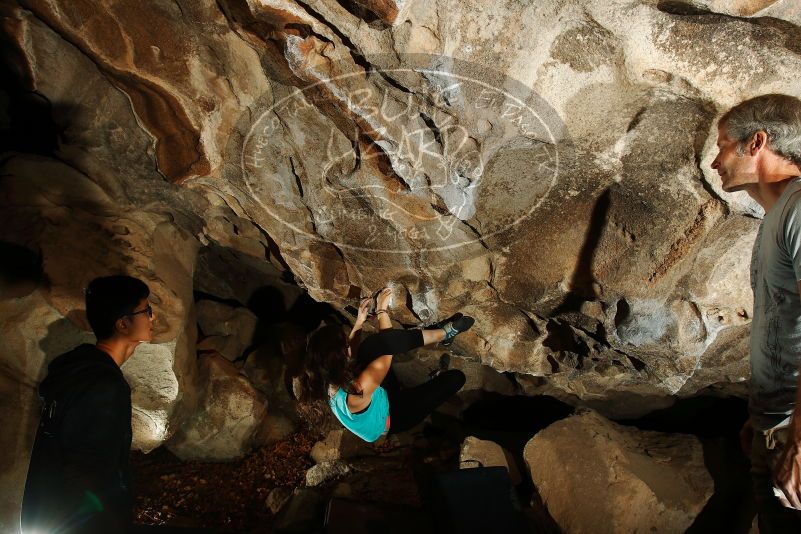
(79, 478)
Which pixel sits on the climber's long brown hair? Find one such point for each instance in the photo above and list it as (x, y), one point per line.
(326, 364)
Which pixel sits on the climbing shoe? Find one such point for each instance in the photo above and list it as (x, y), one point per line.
(456, 326)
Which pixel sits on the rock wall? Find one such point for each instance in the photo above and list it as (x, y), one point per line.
(543, 166)
(558, 187)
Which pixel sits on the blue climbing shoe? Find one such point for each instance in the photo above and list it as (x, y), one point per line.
(455, 327)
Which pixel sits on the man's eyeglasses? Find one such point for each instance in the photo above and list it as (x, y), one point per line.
(148, 310)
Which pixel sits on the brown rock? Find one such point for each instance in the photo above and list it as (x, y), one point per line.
(325, 471)
(598, 476)
(227, 330)
(482, 453)
(230, 414)
(340, 444)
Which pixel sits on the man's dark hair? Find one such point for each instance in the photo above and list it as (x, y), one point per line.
(109, 298)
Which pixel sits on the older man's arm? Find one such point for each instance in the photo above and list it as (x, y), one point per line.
(788, 469)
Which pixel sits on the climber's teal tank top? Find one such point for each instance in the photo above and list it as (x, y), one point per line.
(369, 424)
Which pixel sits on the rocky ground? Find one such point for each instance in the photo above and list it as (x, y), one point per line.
(219, 495)
(693, 479)
(256, 494)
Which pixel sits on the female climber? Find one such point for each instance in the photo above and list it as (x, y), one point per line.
(355, 379)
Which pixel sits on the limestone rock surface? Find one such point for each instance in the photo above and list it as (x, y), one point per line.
(228, 419)
(556, 188)
(339, 444)
(325, 471)
(597, 476)
(483, 453)
(227, 330)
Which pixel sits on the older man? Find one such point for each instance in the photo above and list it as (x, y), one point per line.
(759, 143)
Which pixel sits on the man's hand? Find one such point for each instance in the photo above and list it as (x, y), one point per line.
(787, 475)
(747, 437)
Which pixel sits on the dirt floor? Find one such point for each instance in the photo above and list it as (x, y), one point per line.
(395, 475)
(220, 496)
(231, 497)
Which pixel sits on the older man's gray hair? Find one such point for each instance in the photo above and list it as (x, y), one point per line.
(779, 116)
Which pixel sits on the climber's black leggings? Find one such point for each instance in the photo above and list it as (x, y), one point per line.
(408, 407)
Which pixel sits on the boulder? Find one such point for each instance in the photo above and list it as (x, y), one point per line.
(325, 471)
(226, 330)
(230, 414)
(483, 453)
(340, 444)
(597, 476)
(270, 368)
(592, 247)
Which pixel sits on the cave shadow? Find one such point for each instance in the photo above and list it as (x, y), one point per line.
(26, 116)
(267, 303)
(355, 8)
(280, 330)
(508, 420)
(686, 9)
(732, 506)
(581, 283)
(560, 336)
(512, 420)
(21, 271)
(27, 125)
